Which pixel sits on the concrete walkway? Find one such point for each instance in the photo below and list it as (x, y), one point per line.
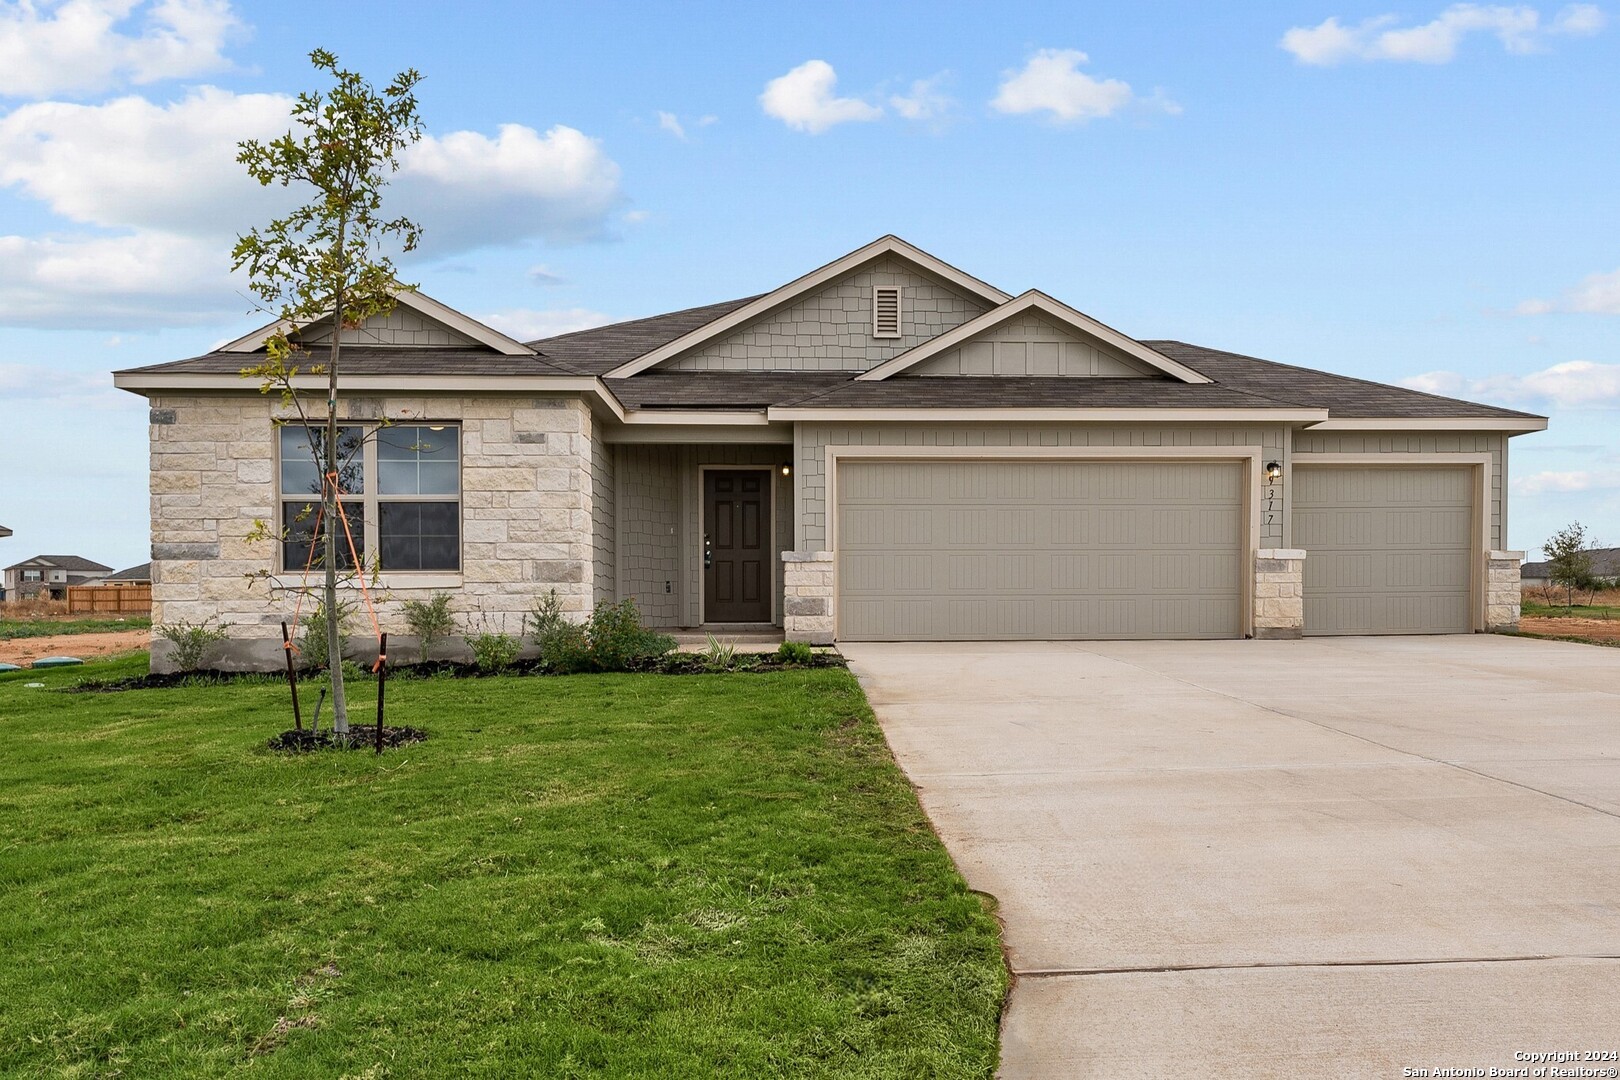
(1333, 857)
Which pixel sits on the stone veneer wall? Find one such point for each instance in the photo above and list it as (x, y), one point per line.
(1279, 602)
(808, 588)
(1502, 590)
(526, 515)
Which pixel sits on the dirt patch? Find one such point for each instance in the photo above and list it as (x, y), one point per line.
(1591, 629)
(361, 737)
(24, 651)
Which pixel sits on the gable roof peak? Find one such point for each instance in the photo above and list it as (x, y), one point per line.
(887, 244)
(417, 301)
(1034, 299)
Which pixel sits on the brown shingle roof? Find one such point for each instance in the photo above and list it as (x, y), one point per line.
(60, 562)
(1239, 381)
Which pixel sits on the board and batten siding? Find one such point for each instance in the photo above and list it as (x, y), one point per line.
(660, 521)
(1421, 442)
(604, 524)
(1030, 345)
(812, 440)
(832, 329)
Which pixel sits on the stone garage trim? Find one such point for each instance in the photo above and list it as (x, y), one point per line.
(1279, 600)
(1502, 595)
(807, 591)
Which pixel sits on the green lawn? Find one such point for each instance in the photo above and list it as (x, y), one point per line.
(28, 628)
(626, 875)
(1577, 611)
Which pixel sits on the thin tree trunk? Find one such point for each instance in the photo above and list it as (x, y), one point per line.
(334, 525)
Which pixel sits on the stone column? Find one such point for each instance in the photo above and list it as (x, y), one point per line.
(807, 596)
(1502, 590)
(1279, 594)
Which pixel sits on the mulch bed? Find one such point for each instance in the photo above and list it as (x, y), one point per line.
(360, 738)
(673, 664)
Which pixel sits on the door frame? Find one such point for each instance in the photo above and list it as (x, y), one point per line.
(770, 527)
(1480, 526)
(1249, 457)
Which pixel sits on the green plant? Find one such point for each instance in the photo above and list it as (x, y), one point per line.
(429, 620)
(612, 639)
(795, 652)
(494, 651)
(719, 654)
(312, 646)
(192, 640)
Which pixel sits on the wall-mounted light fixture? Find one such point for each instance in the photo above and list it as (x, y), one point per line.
(787, 468)
(1273, 470)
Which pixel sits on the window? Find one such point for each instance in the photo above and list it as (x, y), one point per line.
(886, 311)
(30, 575)
(401, 493)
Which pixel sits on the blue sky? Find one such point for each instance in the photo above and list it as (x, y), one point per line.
(1415, 193)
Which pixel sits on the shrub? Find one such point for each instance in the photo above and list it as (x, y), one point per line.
(617, 637)
(312, 645)
(429, 620)
(795, 652)
(494, 652)
(192, 640)
(612, 639)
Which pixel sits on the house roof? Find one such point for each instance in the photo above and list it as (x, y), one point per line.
(1605, 563)
(143, 572)
(619, 364)
(59, 562)
(4, 531)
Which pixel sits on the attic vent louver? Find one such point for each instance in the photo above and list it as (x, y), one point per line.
(886, 311)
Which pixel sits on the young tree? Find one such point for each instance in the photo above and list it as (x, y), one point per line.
(326, 260)
(1569, 559)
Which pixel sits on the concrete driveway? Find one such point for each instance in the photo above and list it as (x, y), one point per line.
(1332, 857)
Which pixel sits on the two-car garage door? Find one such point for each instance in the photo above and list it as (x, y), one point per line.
(977, 550)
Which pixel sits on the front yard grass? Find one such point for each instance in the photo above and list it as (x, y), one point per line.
(614, 875)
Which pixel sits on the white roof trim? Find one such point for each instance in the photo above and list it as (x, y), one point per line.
(1058, 310)
(998, 414)
(1512, 425)
(887, 245)
(416, 301)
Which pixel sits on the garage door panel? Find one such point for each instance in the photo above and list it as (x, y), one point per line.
(1389, 550)
(1042, 549)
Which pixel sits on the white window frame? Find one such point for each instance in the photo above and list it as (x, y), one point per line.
(372, 499)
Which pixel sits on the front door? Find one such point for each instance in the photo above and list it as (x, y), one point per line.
(737, 546)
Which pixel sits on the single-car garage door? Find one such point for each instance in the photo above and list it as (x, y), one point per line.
(1387, 550)
(986, 550)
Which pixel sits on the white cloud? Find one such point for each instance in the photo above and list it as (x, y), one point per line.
(164, 176)
(84, 46)
(541, 274)
(1576, 480)
(1576, 384)
(1051, 82)
(468, 190)
(528, 324)
(671, 123)
(81, 389)
(804, 99)
(925, 102)
(1519, 29)
(1598, 294)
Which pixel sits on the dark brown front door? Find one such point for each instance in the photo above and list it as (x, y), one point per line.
(737, 546)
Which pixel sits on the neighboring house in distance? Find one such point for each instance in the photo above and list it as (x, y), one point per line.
(49, 576)
(134, 575)
(886, 448)
(1605, 564)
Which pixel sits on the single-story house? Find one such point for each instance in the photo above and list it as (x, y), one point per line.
(132, 575)
(1605, 564)
(50, 575)
(884, 448)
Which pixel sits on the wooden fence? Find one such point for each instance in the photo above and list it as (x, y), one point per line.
(110, 599)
